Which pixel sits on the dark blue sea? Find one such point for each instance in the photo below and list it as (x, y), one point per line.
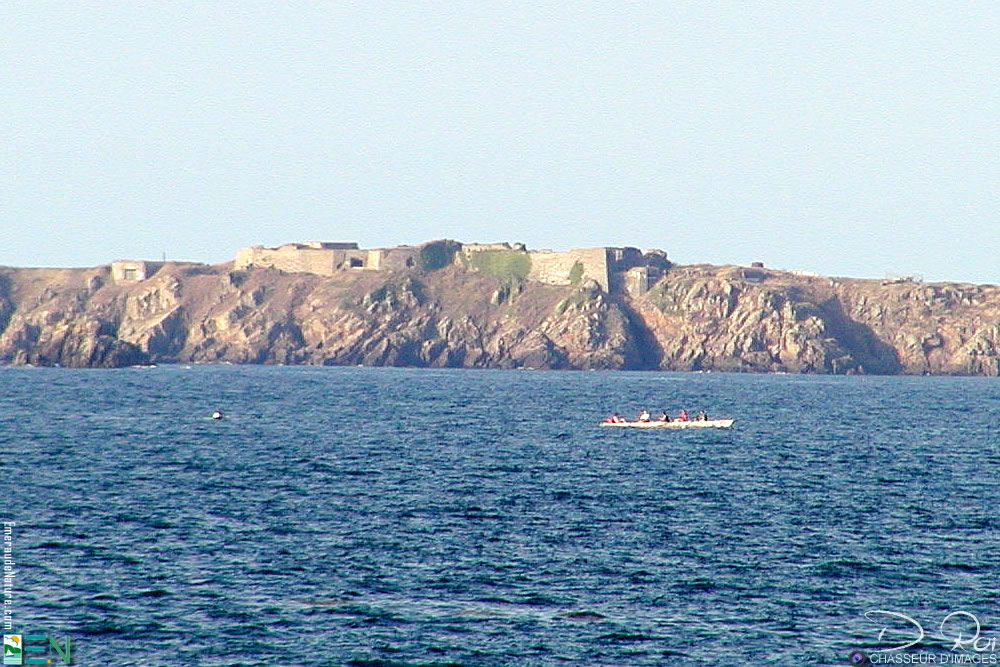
(359, 516)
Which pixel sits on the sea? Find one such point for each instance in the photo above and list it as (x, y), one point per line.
(386, 516)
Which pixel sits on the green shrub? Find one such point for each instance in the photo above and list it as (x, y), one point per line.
(437, 255)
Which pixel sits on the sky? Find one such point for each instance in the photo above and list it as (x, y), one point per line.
(849, 138)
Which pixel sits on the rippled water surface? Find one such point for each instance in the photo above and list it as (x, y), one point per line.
(350, 516)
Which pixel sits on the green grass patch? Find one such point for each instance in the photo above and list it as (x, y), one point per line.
(576, 274)
(503, 264)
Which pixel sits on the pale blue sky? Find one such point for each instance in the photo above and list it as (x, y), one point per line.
(845, 138)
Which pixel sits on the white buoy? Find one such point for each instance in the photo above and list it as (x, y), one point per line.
(217, 414)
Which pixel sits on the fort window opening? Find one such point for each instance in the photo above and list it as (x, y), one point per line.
(130, 274)
(355, 263)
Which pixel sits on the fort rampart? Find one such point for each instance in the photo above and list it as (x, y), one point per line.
(326, 259)
(613, 268)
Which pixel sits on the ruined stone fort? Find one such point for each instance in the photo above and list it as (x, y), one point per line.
(614, 269)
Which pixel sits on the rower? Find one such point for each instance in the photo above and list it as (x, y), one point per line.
(644, 416)
(664, 417)
(683, 416)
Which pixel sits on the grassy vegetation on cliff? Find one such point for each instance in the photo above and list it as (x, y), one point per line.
(503, 264)
(577, 299)
(508, 291)
(395, 294)
(665, 298)
(576, 273)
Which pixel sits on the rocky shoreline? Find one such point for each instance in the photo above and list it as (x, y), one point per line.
(694, 318)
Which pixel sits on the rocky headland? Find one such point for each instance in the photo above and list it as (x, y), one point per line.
(692, 318)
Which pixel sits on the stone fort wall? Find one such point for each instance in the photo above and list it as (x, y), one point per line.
(124, 270)
(556, 268)
(611, 268)
(326, 259)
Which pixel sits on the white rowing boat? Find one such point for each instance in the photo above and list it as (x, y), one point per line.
(707, 423)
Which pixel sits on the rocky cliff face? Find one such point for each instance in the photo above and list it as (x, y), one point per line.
(733, 319)
(696, 318)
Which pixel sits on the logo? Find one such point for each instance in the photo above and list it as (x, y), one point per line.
(857, 658)
(36, 650)
(12, 649)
